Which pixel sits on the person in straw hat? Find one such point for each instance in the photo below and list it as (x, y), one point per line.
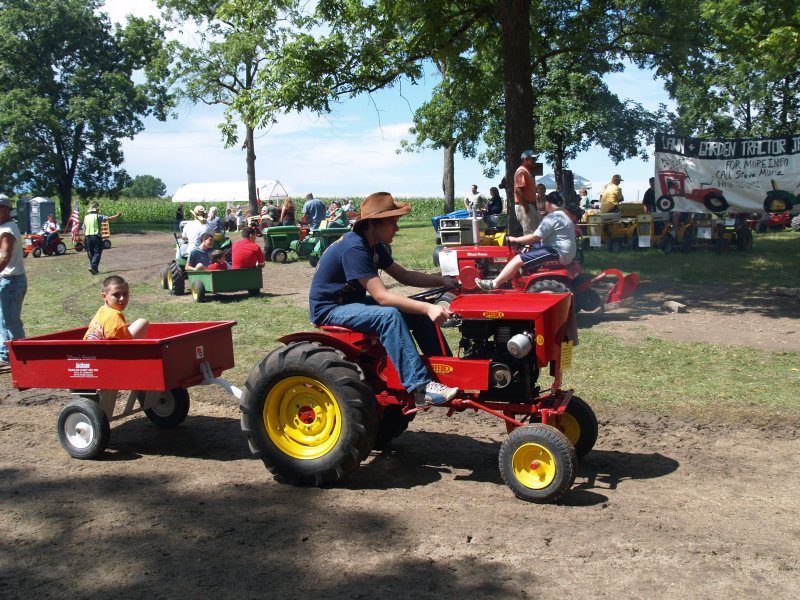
(348, 271)
(193, 231)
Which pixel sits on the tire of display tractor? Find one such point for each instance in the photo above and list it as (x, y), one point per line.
(176, 280)
(538, 463)
(106, 244)
(61, 248)
(279, 255)
(313, 260)
(744, 239)
(308, 414)
(163, 278)
(667, 244)
(665, 203)
(170, 409)
(547, 286)
(436, 252)
(716, 203)
(198, 291)
(579, 424)
(37, 252)
(83, 429)
(392, 424)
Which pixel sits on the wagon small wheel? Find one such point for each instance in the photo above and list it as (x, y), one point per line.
(83, 429)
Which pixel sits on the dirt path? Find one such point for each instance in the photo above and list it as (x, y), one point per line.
(664, 507)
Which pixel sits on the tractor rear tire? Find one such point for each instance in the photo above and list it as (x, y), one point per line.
(579, 424)
(308, 414)
(83, 429)
(538, 463)
(392, 424)
(170, 409)
(744, 239)
(176, 280)
(198, 291)
(61, 249)
(548, 286)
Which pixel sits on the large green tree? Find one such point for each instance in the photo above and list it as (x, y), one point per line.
(145, 186)
(235, 41)
(371, 44)
(746, 82)
(70, 95)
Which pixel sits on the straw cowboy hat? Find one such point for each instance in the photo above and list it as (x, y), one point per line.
(199, 213)
(381, 205)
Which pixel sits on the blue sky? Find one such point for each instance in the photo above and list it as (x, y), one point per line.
(351, 152)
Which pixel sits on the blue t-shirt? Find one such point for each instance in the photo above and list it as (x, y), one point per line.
(199, 256)
(315, 211)
(345, 261)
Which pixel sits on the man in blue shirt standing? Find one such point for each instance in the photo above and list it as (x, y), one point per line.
(348, 270)
(314, 210)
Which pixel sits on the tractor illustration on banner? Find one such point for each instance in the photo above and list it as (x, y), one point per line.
(677, 184)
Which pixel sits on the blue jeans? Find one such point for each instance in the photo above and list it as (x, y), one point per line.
(94, 248)
(393, 328)
(12, 292)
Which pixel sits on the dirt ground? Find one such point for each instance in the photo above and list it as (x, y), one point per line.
(663, 507)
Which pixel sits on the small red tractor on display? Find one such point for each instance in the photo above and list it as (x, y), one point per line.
(483, 262)
(35, 244)
(314, 408)
(673, 183)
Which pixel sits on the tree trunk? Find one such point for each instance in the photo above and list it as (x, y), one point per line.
(448, 178)
(517, 91)
(251, 170)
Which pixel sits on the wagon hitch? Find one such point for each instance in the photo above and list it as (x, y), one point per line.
(208, 379)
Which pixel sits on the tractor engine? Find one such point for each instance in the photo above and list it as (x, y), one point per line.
(508, 344)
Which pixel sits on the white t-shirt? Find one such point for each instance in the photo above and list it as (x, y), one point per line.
(15, 266)
(193, 231)
(558, 231)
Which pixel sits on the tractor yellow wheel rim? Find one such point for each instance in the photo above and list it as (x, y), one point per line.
(302, 417)
(569, 427)
(534, 466)
(169, 278)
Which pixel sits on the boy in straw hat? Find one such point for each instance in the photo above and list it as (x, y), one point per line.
(348, 270)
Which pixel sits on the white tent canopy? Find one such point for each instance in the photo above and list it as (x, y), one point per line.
(229, 191)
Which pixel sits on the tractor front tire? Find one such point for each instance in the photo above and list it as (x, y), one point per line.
(279, 255)
(167, 409)
(538, 463)
(162, 277)
(83, 429)
(37, 252)
(579, 424)
(308, 414)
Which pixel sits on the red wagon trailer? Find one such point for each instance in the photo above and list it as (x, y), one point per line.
(157, 369)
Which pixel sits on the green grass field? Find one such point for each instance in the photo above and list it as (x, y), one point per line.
(648, 374)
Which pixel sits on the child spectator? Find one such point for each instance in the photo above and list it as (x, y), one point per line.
(218, 262)
(109, 322)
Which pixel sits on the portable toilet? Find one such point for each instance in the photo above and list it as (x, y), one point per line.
(40, 208)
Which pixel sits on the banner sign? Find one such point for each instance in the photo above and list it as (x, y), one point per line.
(726, 175)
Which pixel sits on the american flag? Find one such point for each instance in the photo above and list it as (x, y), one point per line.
(75, 219)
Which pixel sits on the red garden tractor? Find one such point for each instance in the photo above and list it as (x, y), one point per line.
(673, 183)
(315, 407)
(35, 244)
(483, 262)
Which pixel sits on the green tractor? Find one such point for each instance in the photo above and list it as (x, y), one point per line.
(173, 276)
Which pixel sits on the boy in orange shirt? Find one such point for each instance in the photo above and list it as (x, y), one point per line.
(109, 322)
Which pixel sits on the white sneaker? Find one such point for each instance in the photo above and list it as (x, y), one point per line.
(436, 393)
(486, 285)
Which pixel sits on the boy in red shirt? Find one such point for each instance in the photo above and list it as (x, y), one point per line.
(218, 262)
(109, 322)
